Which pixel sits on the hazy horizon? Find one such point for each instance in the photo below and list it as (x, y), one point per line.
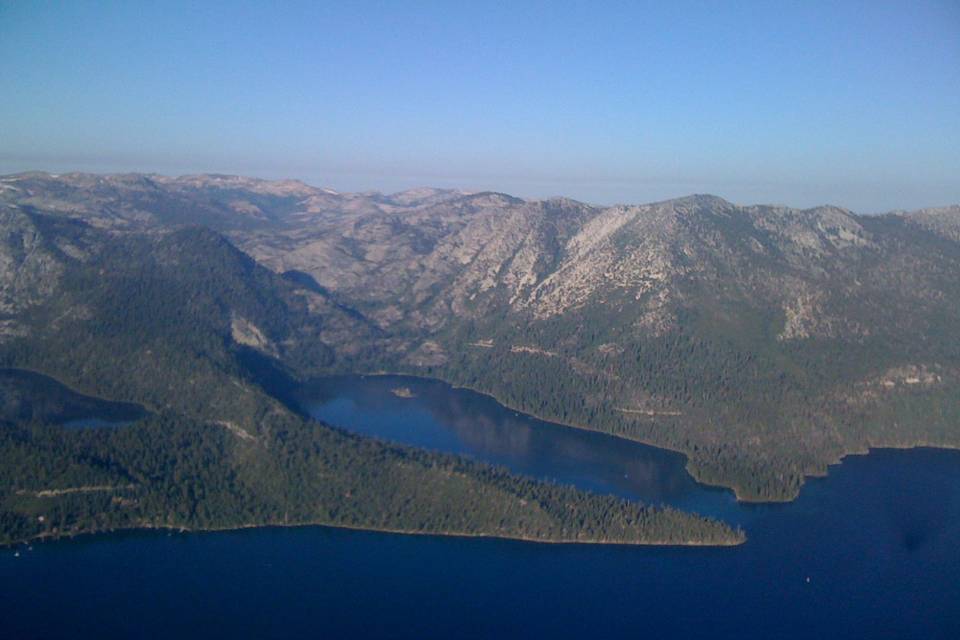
(801, 104)
(414, 186)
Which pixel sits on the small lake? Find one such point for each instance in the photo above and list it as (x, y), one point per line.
(26, 396)
(871, 551)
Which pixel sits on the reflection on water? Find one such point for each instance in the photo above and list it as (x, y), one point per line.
(435, 416)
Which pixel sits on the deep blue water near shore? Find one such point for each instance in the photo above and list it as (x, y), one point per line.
(872, 551)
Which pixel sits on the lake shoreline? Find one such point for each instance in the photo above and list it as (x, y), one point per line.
(44, 537)
(732, 488)
(841, 562)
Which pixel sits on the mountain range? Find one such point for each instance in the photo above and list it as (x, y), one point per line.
(764, 342)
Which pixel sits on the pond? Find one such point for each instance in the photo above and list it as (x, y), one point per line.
(26, 396)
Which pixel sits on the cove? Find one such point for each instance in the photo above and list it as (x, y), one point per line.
(870, 551)
(433, 415)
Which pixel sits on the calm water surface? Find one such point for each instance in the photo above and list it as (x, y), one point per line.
(872, 551)
(461, 421)
(27, 396)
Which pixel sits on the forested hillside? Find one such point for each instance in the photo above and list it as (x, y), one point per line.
(198, 341)
(762, 341)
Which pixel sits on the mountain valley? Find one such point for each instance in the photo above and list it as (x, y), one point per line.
(761, 341)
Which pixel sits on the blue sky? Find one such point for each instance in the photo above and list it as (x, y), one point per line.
(802, 103)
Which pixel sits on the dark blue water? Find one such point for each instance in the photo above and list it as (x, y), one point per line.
(461, 421)
(872, 551)
(26, 396)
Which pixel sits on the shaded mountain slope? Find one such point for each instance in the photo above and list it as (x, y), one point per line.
(763, 341)
(184, 324)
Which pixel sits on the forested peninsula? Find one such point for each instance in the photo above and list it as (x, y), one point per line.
(155, 323)
(762, 342)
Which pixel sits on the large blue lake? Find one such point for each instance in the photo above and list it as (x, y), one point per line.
(872, 551)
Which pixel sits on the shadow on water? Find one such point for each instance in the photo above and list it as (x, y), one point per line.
(267, 373)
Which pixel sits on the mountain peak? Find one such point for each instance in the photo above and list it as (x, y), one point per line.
(700, 200)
